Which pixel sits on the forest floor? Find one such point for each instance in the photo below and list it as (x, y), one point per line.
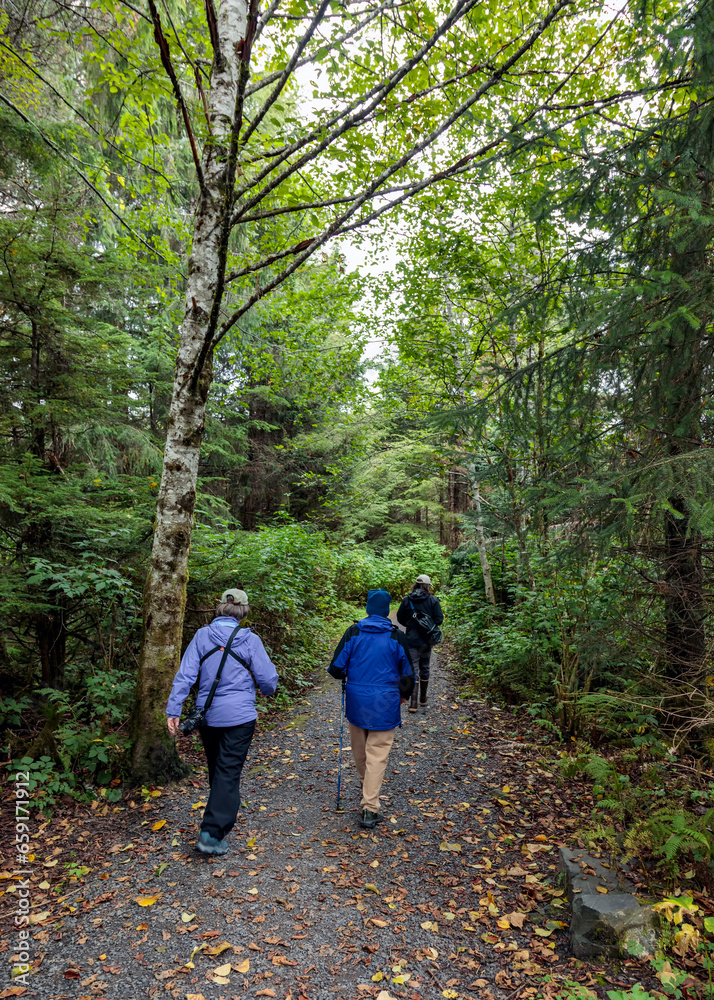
(456, 894)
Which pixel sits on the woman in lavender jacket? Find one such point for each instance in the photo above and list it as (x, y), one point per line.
(229, 724)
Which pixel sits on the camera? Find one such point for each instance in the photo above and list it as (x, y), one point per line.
(193, 720)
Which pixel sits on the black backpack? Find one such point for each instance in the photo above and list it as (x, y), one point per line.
(426, 625)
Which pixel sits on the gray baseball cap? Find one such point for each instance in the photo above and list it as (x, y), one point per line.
(234, 596)
(423, 578)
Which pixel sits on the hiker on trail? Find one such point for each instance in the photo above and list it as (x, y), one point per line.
(422, 602)
(372, 662)
(229, 723)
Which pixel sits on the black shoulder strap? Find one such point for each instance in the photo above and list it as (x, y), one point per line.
(226, 650)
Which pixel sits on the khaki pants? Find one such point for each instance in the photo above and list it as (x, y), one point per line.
(370, 748)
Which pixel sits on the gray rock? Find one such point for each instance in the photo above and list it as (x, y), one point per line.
(575, 865)
(610, 923)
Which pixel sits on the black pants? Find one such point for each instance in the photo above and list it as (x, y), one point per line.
(421, 662)
(226, 750)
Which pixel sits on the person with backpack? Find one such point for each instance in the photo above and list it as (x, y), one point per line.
(371, 661)
(421, 615)
(231, 661)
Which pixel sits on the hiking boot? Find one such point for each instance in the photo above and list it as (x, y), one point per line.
(423, 685)
(369, 819)
(413, 702)
(211, 845)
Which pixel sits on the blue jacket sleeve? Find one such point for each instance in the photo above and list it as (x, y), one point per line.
(266, 676)
(341, 656)
(184, 679)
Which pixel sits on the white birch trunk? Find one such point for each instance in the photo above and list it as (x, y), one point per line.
(165, 589)
(482, 550)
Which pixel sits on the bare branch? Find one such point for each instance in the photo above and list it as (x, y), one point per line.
(272, 77)
(165, 54)
(285, 74)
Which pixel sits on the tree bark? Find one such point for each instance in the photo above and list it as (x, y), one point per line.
(155, 758)
(482, 550)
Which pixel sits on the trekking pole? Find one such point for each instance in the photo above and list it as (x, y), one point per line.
(338, 807)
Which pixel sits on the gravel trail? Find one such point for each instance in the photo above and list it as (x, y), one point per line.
(306, 904)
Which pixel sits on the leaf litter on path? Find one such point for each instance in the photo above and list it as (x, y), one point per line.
(455, 893)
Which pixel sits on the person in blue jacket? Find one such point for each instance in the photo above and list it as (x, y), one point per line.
(372, 661)
(229, 724)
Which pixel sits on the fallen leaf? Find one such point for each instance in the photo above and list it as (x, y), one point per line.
(377, 922)
(243, 967)
(374, 864)
(450, 994)
(372, 887)
(378, 977)
(516, 919)
(71, 974)
(147, 900)
(195, 996)
(219, 948)
(402, 978)
(37, 918)
(383, 995)
(222, 970)
(188, 917)
(503, 924)
(601, 888)
(159, 824)
(454, 848)
(265, 993)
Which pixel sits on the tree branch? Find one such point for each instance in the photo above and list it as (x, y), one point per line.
(285, 74)
(375, 97)
(165, 54)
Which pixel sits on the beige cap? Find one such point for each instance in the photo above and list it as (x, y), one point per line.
(234, 596)
(423, 578)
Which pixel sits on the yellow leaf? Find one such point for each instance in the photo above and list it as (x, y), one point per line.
(243, 967)
(378, 977)
(188, 918)
(503, 924)
(403, 978)
(159, 824)
(455, 848)
(221, 980)
(374, 864)
(222, 970)
(542, 932)
(194, 996)
(50, 864)
(252, 892)
(450, 994)
(142, 927)
(199, 805)
(372, 887)
(147, 900)
(601, 888)
(250, 843)
(506, 790)
(155, 794)
(218, 949)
